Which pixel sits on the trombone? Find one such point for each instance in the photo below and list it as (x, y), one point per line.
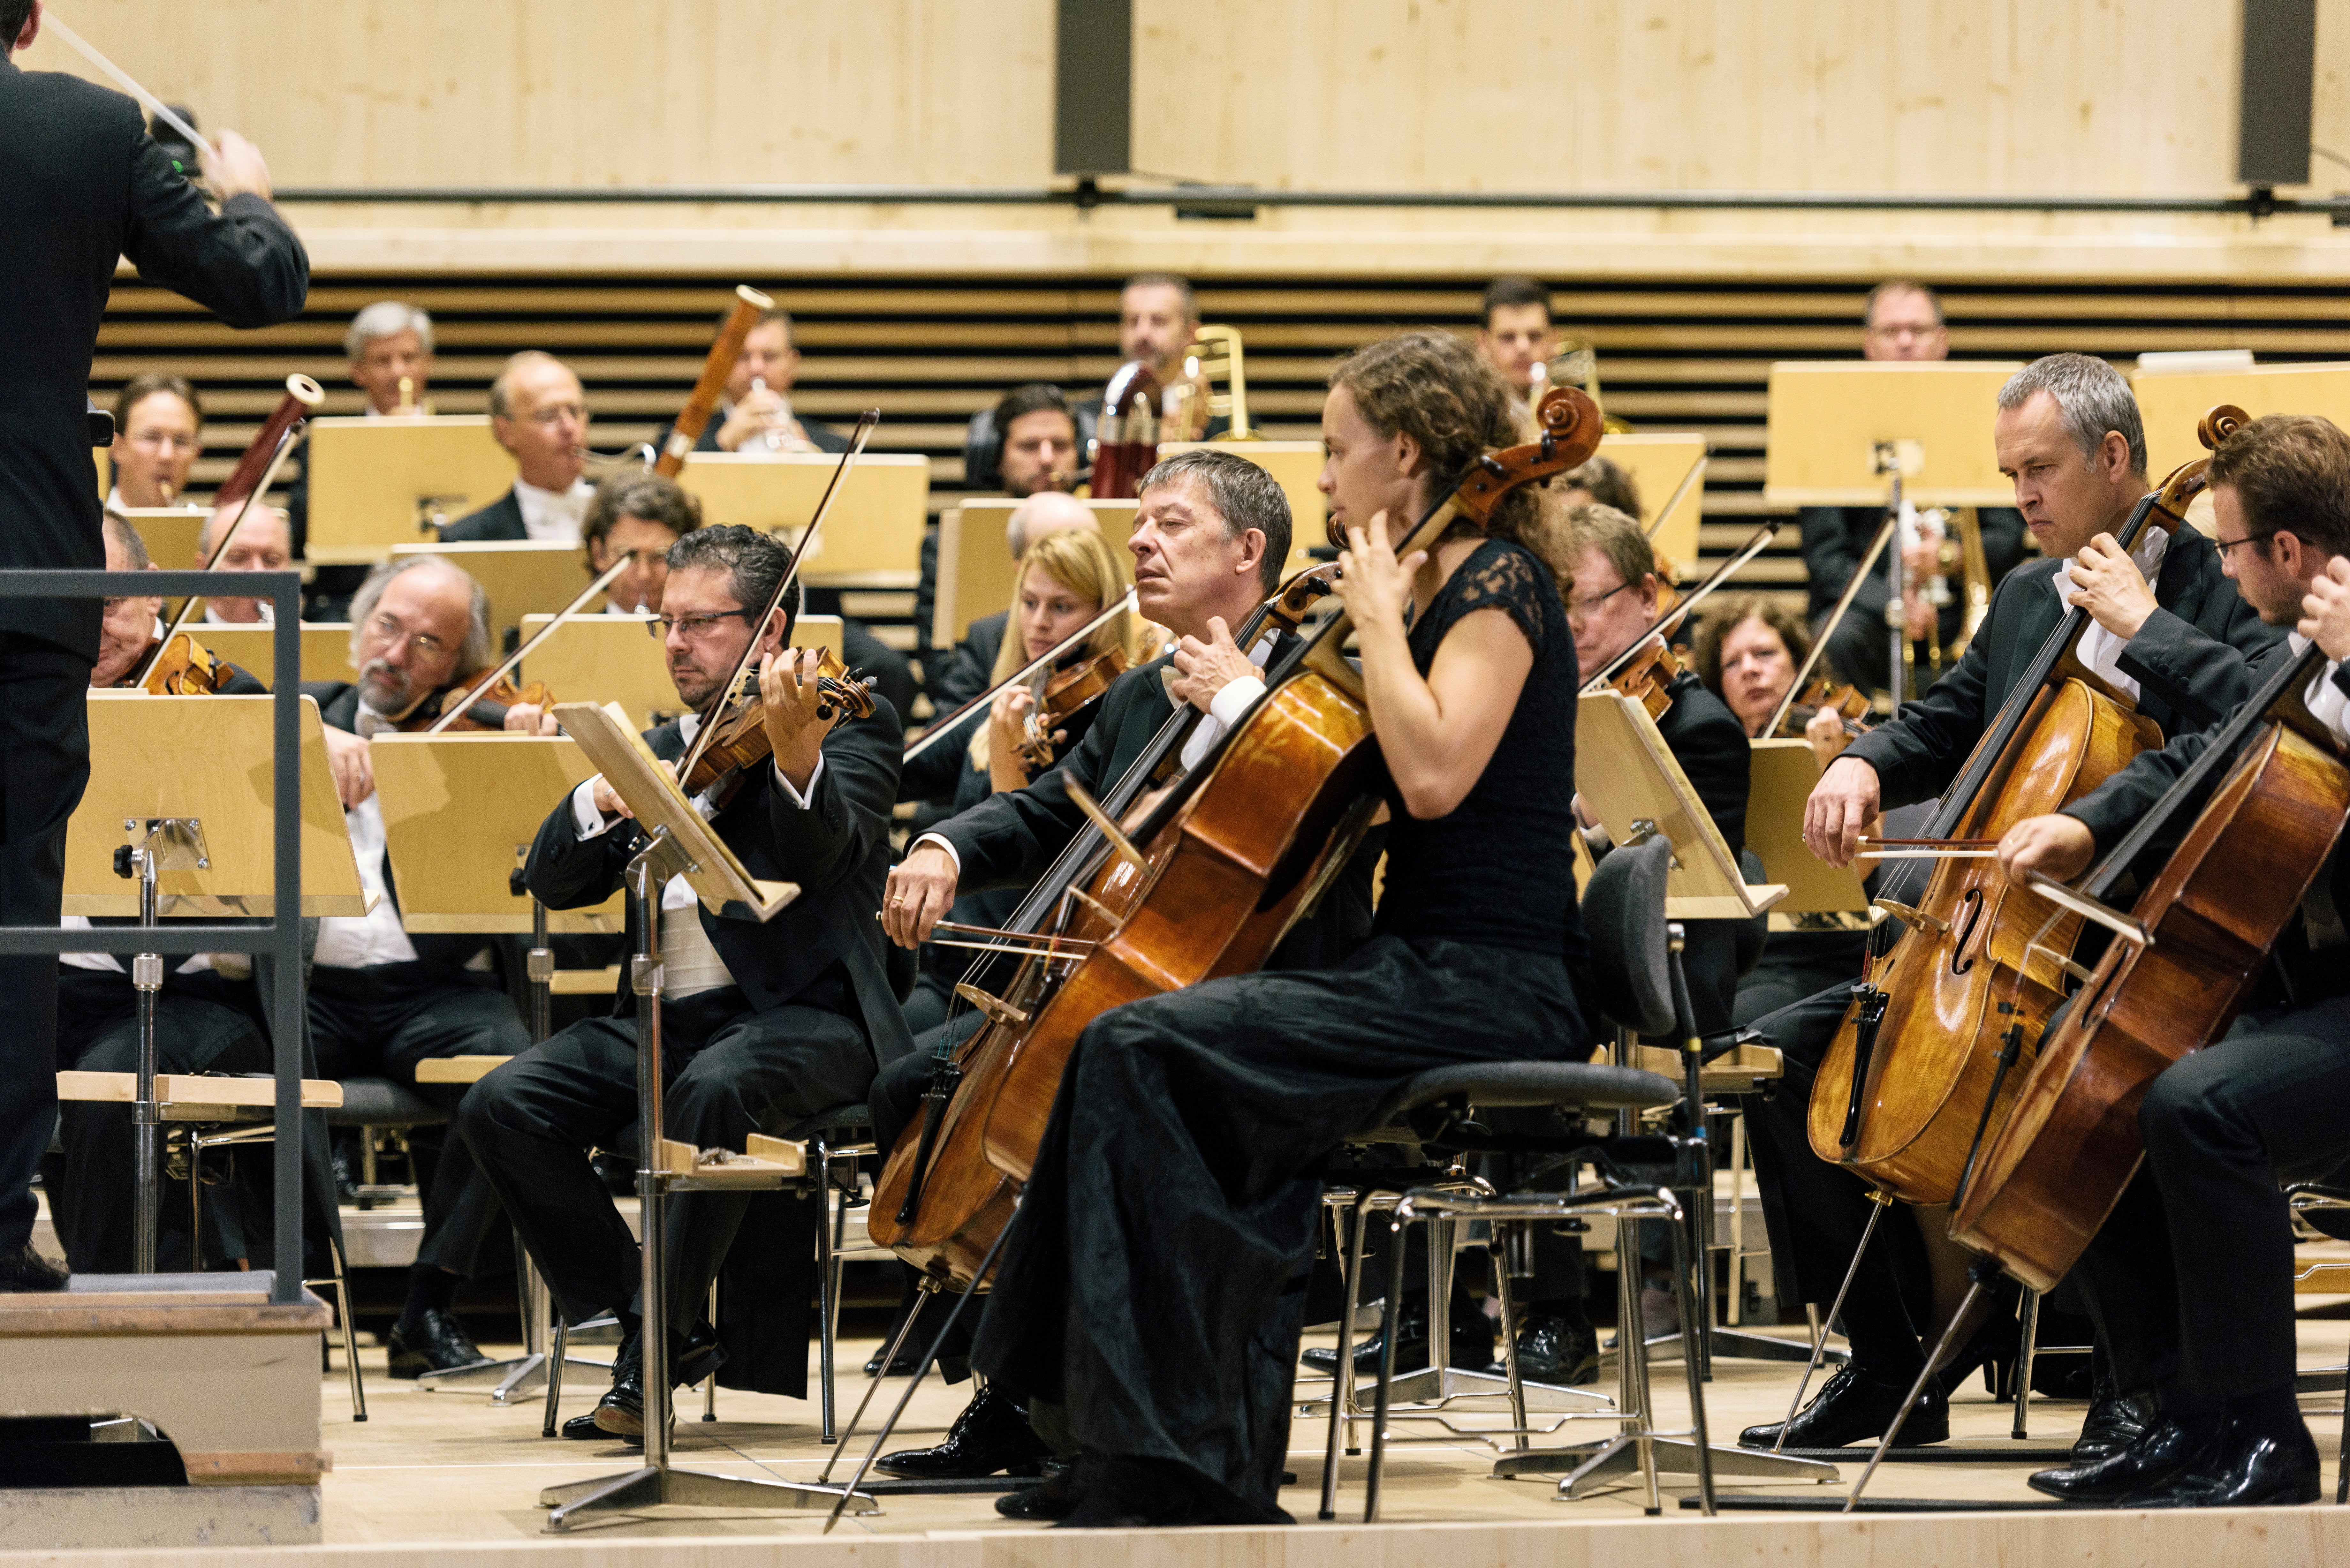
(1193, 403)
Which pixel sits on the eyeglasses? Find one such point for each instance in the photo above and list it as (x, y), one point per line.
(553, 414)
(2224, 545)
(1886, 332)
(422, 644)
(693, 628)
(1580, 609)
(164, 441)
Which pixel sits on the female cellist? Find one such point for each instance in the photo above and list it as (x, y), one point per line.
(1142, 1303)
(1066, 578)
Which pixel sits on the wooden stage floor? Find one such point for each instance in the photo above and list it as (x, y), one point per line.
(449, 1479)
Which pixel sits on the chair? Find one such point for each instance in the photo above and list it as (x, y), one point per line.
(372, 1104)
(2305, 1198)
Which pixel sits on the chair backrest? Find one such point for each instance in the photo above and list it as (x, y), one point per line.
(1624, 919)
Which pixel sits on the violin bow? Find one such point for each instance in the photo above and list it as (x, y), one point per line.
(1827, 627)
(455, 711)
(1690, 601)
(857, 440)
(301, 395)
(1696, 472)
(939, 727)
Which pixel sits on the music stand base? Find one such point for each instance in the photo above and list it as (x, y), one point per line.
(650, 1486)
(1587, 1467)
(514, 1378)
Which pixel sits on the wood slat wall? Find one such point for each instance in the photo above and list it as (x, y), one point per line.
(928, 352)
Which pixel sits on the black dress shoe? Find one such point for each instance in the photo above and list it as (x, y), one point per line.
(2251, 1464)
(622, 1411)
(1056, 1499)
(1555, 1351)
(1856, 1407)
(992, 1434)
(1473, 1345)
(436, 1342)
(25, 1270)
(2116, 1420)
(2168, 1447)
(583, 1429)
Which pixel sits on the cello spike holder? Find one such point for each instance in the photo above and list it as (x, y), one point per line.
(925, 1291)
(656, 1481)
(1962, 1325)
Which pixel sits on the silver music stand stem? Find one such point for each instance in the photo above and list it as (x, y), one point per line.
(656, 1481)
(166, 843)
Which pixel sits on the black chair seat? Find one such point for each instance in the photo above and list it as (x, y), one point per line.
(381, 1103)
(1499, 1084)
(840, 1118)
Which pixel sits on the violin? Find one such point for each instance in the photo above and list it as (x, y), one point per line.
(738, 739)
(182, 667)
(1653, 667)
(1067, 694)
(1895, 1096)
(1849, 703)
(480, 706)
(1202, 880)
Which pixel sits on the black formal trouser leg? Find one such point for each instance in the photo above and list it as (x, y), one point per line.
(531, 1123)
(388, 1018)
(2268, 1104)
(2125, 1279)
(1817, 1212)
(44, 765)
(96, 1204)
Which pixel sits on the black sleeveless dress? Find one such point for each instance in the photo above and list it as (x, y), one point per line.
(1150, 1295)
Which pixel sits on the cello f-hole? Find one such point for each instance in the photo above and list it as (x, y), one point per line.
(1974, 903)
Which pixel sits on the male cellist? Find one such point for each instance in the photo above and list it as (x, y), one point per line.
(2198, 1253)
(2168, 632)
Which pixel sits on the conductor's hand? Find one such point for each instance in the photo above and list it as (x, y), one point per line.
(530, 719)
(232, 167)
(798, 714)
(354, 768)
(2054, 845)
(1842, 804)
(2108, 585)
(921, 890)
(1204, 669)
(2325, 609)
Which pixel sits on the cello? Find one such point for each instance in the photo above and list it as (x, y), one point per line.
(1896, 1096)
(2058, 1166)
(1201, 881)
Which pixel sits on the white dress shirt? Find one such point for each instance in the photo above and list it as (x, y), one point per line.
(690, 963)
(2100, 650)
(553, 514)
(363, 942)
(213, 616)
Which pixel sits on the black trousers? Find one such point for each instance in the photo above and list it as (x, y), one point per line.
(2208, 1252)
(727, 1071)
(199, 1027)
(44, 766)
(383, 1021)
(1151, 1290)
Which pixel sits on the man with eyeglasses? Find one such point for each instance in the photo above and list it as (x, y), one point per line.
(1902, 321)
(2168, 631)
(761, 1024)
(381, 1000)
(158, 435)
(539, 415)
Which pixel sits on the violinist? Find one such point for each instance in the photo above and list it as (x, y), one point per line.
(2170, 632)
(380, 1000)
(642, 516)
(956, 677)
(1143, 1304)
(129, 628)
(259, 545)
(1066, 578)
(158, 425)
(1209, 535)
(761, 1024)
(2192, 1274)
(539, 413)
(1747, 654)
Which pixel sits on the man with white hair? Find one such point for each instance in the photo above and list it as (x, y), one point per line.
(261, 542)
(539, 414)
(962, 673)
(389, 343)
(383, 1000)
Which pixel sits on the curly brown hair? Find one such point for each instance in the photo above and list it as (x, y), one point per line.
(1720, 621)
(1435, 389)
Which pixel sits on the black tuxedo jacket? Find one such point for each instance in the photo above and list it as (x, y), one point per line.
(1711, 745)
(836, 849)
(501, 519)
(2191, 660)
(81, 186)
(821, 435)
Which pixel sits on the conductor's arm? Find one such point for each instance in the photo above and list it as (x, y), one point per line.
(243, 263)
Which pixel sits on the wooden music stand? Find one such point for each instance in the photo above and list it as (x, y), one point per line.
(377, 483)
(612, 658)
(1630, 780)
(2173, 404)
(1825, 418)
(205, 758)
(1295, 466)
(168, 533)
(522, 576)
(1657, 464)
(873, 539)
(326, 648)
(679, 842)
(976, 570)
(1785, 774)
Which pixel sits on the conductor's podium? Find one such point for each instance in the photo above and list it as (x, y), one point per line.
(205, 1366)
